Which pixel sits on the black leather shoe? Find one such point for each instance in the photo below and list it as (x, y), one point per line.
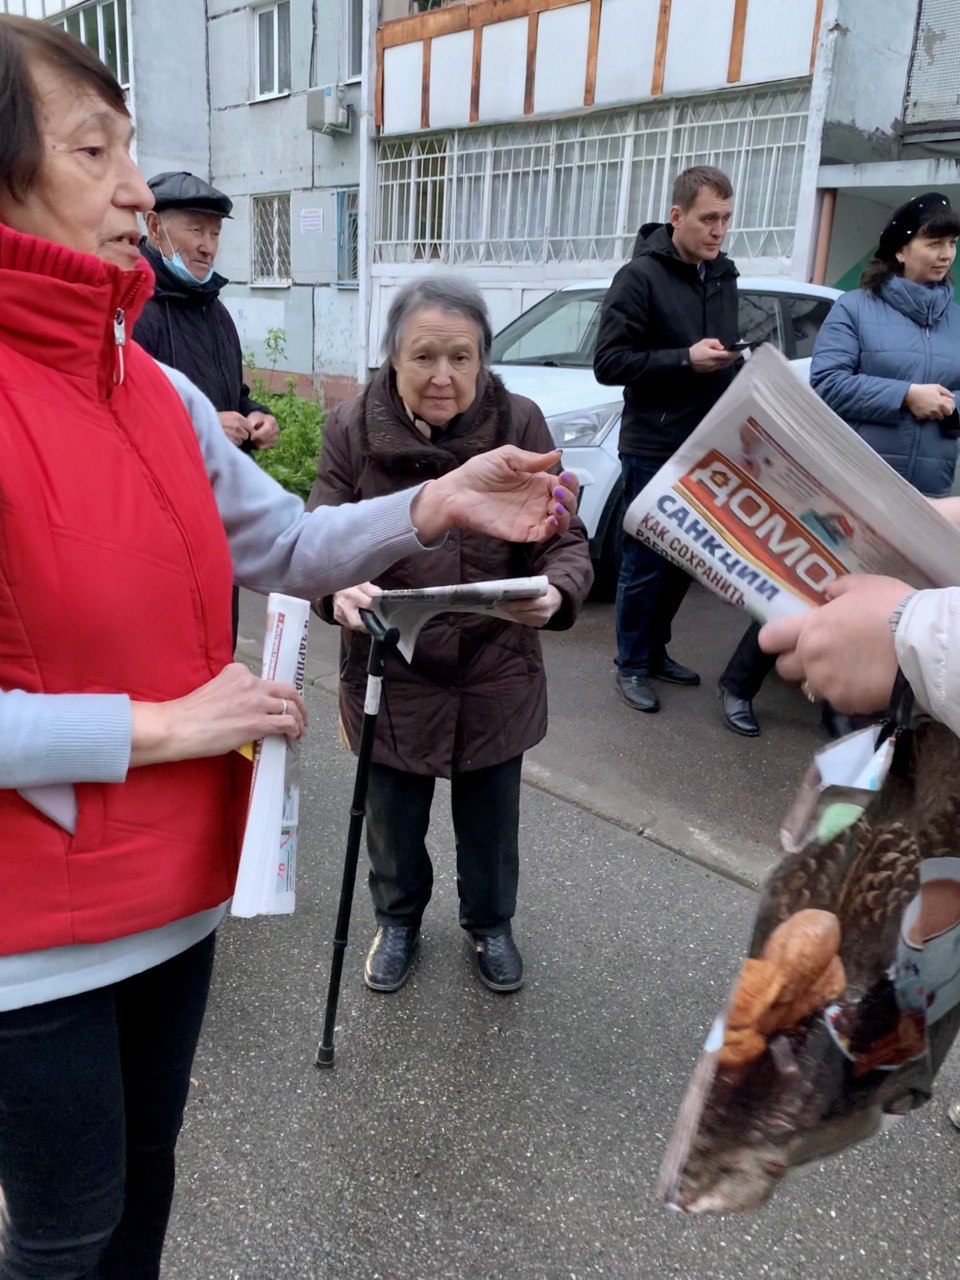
(499, 964)
(737, 713)
(390, 957)
(637, 692)
(674, 672)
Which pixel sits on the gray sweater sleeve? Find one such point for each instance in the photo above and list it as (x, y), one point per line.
(276, 546)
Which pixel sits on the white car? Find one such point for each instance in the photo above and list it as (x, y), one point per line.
(547, 354)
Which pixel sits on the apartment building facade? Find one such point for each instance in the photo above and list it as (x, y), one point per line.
(521, 143)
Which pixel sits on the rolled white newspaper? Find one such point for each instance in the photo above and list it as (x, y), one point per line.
(268, 860)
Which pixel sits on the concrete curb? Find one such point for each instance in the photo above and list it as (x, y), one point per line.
(747, 864)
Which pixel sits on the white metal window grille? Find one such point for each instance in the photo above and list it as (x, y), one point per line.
(933, 90)
(348, 229)
(271, 238)
(102, 26)
(577, 189)
(353, 14)
(272, 24)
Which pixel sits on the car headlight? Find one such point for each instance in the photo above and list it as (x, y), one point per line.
(584, 426)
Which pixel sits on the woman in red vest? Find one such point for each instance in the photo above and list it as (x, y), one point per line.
(124, 516)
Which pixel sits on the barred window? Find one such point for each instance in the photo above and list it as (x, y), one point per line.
(102, 26)
(348, 230)
(273, 49)
(577, 189)
(271, 238)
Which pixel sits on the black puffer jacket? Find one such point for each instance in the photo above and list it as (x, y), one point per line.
(191, 330)
(656, 309)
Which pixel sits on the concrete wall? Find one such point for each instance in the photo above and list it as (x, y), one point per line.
(168, 67)
(857, 224)
(873, 43)
(261, 147)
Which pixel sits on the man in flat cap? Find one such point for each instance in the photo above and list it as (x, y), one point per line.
(185, 324)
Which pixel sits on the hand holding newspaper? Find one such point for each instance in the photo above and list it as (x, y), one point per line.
(268, 860)
(408, 610)
(773, 497)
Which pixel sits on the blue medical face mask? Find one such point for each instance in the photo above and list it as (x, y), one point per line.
(178, 266)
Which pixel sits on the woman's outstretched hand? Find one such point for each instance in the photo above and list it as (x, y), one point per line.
(233, 708)
(507, 493)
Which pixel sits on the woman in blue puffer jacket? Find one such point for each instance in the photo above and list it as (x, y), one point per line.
(887, 358)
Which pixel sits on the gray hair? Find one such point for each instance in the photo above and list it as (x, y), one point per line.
(446, 293)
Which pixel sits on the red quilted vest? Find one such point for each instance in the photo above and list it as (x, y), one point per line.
(115, 577)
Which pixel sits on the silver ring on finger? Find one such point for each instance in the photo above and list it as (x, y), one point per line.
(809, 692)
(283, 707)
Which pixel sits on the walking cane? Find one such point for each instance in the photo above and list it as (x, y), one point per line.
(383, 640)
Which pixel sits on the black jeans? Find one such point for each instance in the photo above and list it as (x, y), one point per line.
(749, 666)
(650, 589)
(92, 1091)
(485, 806)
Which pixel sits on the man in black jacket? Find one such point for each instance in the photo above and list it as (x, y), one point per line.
(185, 325)
(668, 320)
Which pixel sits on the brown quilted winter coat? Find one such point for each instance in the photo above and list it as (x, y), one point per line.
(475, 693)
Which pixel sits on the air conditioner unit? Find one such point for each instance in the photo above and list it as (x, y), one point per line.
(326, 109)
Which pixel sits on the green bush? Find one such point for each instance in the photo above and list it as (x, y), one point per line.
(293, 460)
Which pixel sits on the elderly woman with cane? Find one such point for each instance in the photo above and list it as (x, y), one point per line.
(124, 516)
(473, 698)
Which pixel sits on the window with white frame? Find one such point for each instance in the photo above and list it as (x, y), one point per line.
(348, 235)
(102, 26)
(272, 53)
(353, 41)
(270, 227)
(578, 189)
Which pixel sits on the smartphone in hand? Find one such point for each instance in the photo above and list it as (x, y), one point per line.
(743, 345)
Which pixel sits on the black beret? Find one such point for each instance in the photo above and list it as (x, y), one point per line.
(186, 191)
(907, 220)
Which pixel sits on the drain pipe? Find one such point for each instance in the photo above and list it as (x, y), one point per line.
(828, 205)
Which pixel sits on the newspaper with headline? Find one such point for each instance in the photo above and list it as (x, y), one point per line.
(773, 496)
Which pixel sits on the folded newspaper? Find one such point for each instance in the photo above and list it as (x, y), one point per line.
(773, 496)
(268, 860)
(408, 610)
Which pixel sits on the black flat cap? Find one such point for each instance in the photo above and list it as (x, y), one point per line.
(907, 220)
(186, 191)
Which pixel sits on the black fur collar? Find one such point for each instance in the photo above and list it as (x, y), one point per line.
(393, 443)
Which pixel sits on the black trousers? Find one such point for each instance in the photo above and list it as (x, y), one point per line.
(486, 816)
(749, 666)
(92, 1092)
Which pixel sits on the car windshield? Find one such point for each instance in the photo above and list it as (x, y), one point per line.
(559, 332)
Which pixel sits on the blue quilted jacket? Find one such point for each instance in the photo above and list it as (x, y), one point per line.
(868, 353)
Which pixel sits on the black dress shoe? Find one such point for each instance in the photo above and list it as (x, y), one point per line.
(499, 963)
(637, 692)
(674, 672)
(737, 713)
(390, 957)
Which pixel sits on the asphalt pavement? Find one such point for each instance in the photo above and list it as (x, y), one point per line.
(680, 777)
(463, 1134)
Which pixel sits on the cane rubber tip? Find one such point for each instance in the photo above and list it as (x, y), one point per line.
(324, 1057)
